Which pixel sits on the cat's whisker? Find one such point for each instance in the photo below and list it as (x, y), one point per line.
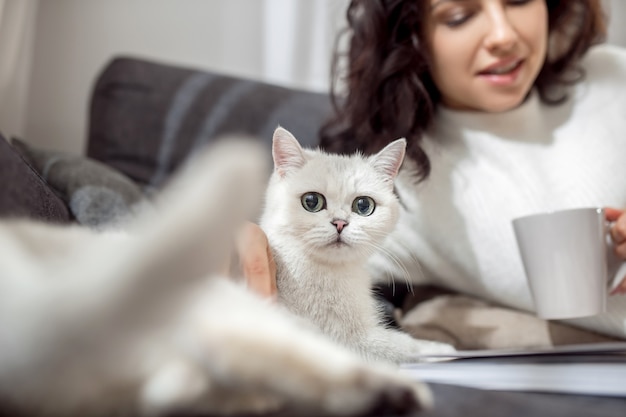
(418, 273)
(405, 272)
(379, 247)
(421, 275)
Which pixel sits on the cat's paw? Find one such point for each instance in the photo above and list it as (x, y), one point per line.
(373, 390)
(173, 385)
(436, 348)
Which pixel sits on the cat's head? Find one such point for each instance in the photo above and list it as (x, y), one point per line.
(335, 208)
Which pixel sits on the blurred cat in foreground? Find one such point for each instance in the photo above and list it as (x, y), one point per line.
(145, 322)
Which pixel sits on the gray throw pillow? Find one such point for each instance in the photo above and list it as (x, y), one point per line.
(97, 195)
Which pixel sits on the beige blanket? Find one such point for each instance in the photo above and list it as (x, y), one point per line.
(469, 323)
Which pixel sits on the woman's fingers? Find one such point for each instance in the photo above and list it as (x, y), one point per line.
(256, 260)
(618, 229)
(620, 288)
(618, 235)
(612, 214)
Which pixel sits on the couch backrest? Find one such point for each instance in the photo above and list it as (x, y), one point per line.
(147, 117)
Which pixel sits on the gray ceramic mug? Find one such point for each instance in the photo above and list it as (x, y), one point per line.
(568, 260)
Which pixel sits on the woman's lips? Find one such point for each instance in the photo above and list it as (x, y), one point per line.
(503, 73)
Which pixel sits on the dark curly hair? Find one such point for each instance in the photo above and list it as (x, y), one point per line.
(389, 90)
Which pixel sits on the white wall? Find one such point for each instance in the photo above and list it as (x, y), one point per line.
(262, 39)
(283, 41)
(17, 24)
(617, 14)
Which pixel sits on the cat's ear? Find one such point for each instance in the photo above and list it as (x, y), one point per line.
(389, 159)
(286, 151)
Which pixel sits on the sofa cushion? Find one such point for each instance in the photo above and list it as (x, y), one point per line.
(98, 196)
(147, 117)
(24, 194)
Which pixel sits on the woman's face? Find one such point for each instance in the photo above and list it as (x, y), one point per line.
(486, 54)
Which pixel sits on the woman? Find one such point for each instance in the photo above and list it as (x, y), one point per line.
(508, 110)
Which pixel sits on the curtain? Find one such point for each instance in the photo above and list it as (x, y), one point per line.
(16, 36)
(298, 39)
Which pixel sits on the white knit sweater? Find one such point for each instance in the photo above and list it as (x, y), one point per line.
(490, 168)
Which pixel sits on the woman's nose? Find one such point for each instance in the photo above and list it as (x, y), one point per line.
(501, 35)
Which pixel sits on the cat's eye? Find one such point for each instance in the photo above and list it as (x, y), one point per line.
(313, 202)
(363, 206)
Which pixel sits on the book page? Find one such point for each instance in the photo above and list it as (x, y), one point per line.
(586, 348)
(585, 369)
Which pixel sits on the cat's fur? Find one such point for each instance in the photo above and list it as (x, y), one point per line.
(98, 324)
(321, 256)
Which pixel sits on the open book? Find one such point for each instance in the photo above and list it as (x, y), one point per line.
(590, 369)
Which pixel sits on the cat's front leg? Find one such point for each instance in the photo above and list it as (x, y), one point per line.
(394, 346)
(357, 389)
(260, 358)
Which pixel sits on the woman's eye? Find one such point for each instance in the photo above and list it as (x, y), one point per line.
(363, 206)
(457, 19)
(313, 202)
(518, 2)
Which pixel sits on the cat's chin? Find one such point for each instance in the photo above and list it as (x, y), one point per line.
(339, 252)
(338, 246)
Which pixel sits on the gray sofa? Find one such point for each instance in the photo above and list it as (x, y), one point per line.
(146, 118)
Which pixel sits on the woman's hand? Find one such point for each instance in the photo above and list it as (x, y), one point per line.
(618, 234)
(256, 260)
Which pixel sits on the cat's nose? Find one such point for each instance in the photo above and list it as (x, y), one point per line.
(339, 224)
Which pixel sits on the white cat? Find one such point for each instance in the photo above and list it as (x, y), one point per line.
(143, 324)
(325, 215)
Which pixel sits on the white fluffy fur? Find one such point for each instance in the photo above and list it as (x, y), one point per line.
(142, 323)
(318, 278)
